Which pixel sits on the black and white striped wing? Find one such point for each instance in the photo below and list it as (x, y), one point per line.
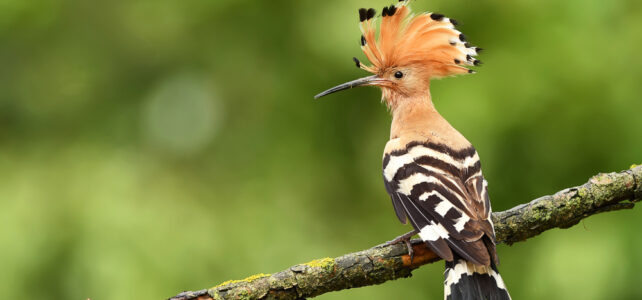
(443, 195)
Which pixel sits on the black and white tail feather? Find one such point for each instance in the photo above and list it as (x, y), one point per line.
(467, 281)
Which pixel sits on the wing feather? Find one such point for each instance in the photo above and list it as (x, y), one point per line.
(443, 194)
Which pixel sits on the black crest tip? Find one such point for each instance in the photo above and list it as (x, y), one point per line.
(471, 71)
(362, 14)
(363, 40)
(462, 37)
(436, 17)
(477, 62)
(457, 61)
(469, 58)
(392, 10)
(454, 22)
(357, 62)
(479, 49)
(384, 11)
(371, 13)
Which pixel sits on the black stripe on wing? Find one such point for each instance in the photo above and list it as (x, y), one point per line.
(471, 171)
(438, 164)
(428, 207)
(396, 202)
(448, 220)
(449, 186)
(456, 154)
(445, 187)
(413, 168)
(420, 219)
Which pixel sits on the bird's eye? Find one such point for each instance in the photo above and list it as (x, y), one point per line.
(398, 74)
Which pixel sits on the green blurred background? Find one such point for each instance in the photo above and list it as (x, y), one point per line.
(150, 147)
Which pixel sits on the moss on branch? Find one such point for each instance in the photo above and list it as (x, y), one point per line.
(602, 193)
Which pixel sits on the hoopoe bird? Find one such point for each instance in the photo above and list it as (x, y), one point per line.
(431, 172)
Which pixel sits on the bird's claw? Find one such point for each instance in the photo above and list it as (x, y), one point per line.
(405, 238)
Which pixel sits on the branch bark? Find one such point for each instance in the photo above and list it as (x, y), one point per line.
(602, 193)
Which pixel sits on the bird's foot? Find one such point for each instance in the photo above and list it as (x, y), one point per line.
(404, 238)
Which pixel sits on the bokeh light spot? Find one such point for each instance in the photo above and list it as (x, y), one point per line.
(181, 114)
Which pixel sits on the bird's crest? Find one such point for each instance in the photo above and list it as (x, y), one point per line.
(428, 40)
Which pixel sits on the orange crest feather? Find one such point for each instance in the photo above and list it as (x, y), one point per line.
(429, 40)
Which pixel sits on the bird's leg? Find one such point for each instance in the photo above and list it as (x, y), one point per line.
(405, 238)
(402, 238)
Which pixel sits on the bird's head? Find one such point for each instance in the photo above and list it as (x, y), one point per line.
(409, 51)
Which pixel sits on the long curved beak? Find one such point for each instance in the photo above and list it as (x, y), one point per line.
(370, 80)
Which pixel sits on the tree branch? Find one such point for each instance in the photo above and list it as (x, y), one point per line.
(602, 193)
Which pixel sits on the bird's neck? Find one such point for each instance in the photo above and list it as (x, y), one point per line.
(416, 119)
(413, 115)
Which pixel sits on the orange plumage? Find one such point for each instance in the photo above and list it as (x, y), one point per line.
(428, 40)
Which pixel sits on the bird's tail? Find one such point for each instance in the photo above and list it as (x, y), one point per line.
(465, 280)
